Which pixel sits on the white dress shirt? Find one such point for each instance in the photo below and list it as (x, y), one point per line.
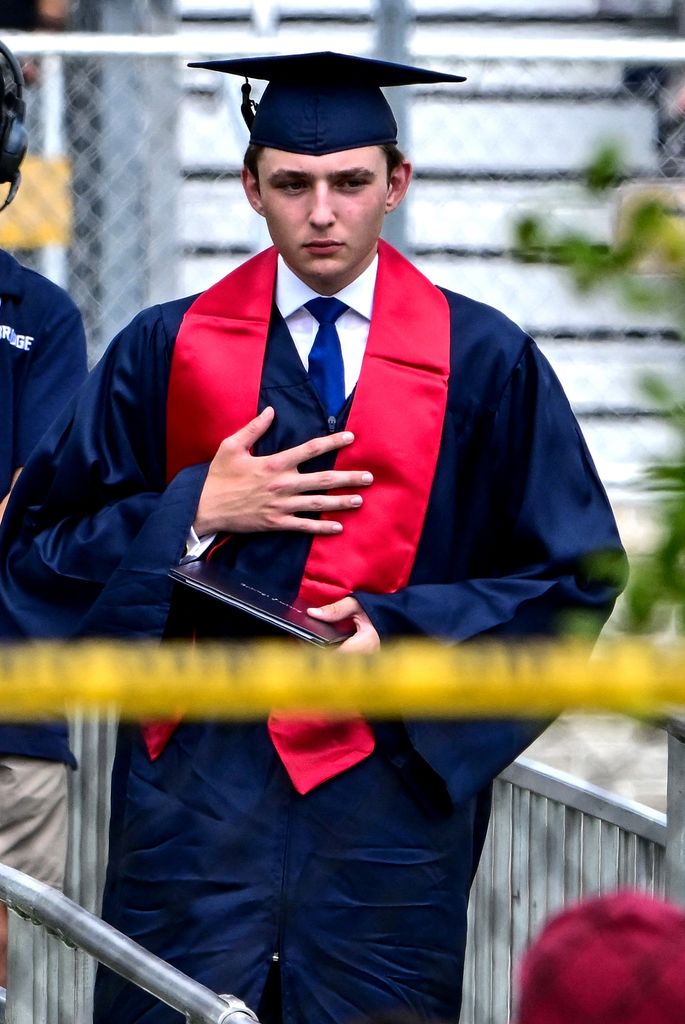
(353, 325)
(353, 330)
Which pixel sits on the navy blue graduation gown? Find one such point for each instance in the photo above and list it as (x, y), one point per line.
(216, 864)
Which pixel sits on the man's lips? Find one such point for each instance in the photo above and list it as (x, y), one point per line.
(323, 245)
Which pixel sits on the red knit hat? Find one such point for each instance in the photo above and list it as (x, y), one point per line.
(617, 959)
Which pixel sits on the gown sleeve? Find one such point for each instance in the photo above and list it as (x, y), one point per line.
(91, 515)
(58, 368)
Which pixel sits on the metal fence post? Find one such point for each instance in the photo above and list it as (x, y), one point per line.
(392, 29)
(54, 257)
(126, 214)
(265, 16)
(675, 808)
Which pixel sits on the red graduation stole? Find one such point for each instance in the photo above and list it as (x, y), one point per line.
(397, 416)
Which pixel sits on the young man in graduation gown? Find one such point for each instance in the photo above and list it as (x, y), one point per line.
(331, 425)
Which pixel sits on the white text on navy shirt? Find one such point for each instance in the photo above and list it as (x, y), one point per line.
(23, 341)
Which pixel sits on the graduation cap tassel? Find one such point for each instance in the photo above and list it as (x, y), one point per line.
(248, 106)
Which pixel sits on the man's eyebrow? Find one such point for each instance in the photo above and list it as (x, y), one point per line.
(285, 174)
(353, 172)
(288, 174)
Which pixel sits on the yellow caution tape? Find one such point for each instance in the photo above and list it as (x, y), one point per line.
(408, 678)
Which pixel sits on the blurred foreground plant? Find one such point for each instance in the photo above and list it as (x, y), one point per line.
(645, 267)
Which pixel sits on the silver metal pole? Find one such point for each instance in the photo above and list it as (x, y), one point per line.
(122, 197)
(163, 178)
(54, 257)
(42, 904)
(481, 45)
(126, 170)
(265, 16)
(141, 172)
(393, 20)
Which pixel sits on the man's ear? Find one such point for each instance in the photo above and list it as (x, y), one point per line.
(251, 189)
(400, 179)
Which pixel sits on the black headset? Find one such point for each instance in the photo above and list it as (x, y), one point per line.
(13, 134)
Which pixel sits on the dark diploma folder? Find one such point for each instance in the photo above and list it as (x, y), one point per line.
(290, 616)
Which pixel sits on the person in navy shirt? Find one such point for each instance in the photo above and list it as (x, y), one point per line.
(42, 363)
(33, 14)
(331, 425)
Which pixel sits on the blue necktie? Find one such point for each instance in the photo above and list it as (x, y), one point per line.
(326, 369)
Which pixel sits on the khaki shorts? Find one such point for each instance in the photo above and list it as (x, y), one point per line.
(33, 817)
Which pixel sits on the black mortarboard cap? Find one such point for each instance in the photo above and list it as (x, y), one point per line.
(323, 102)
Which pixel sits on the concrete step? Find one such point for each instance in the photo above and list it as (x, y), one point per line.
(605, 377)
(541, 298)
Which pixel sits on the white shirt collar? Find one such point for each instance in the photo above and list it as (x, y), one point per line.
(292, 293)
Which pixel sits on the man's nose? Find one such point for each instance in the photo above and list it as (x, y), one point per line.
(322, 214)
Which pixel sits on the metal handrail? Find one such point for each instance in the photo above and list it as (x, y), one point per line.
(579, 795)
(74, 925)
(478, 46)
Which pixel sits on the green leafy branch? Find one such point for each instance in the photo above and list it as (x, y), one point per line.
(645, 267)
